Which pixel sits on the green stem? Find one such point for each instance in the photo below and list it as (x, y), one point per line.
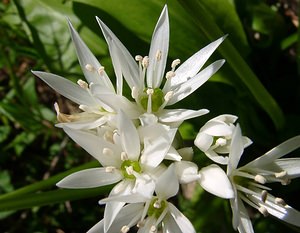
(51, 197)
(207, 25)
(45, 184)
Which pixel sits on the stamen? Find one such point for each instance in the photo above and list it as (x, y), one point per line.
(221, 142)
(145, 62)
(125, 229)
(138, 58)
(263, 211)
(158, 55)
(135, 92)
(280, 201)
(140, 224)
(280, 174)
(107, 151)
(264, 195)
(83, 84)
(170, 74)
(286, 181)
(153, 229)
(157, 204)
(175, 63)
(129, 170)
(89, 67)
(168, 96)
(124, 156)
(110, 169)
(260, 179)
(101, 70)
(108, 136)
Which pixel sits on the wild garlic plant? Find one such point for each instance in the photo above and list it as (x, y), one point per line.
(133, 138)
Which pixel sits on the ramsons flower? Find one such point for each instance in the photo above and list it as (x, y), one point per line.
(214, 138)
(150, 214)
(249, 182)
(135, 164)
(146, 78)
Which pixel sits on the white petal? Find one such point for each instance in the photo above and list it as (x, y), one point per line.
(97, 228)
(184, 224)
(187, 172)
(94, 146)
(159, 42)
(113, 208)
(167, 184)
(291, 166)
(245, 224)
(84, 124)
(66, 88)
(220, 159)
(90, 178)
(128, 64)
(195, 82)
(170, 225)
(203, 141)
(237, 149)
(174, 115)
(156, 149)
(214, 180)
(191, 66)
(227, 118)
(129, 137)
(216, 128)
(86, 57)
(277, 152)
(173, 155)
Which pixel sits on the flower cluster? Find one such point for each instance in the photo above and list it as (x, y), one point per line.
(134, 138)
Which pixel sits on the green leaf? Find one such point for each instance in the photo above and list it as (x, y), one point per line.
(205, 23)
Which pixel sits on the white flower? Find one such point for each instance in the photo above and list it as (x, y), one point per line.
(145, 78)
(249, 182)
(214, 138)
(123, 160)
(150, 214)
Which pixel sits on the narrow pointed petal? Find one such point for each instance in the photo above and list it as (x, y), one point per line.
(83, 124)
(156, 149)
(128, 64)
(184, 224)
(94, 146)
(192, 66)
(129, 137)
(217, 158)
(159, 42)
(112, 209)
(187, 172)
(237, 149)
(291, 166)
(117, 64)
(214, 180)
(277, 152)
(86, 57)
(175, 115)
(173, 155)
(167, 184)
(66, 88)
(90, 178)
(195, 82)
(97, 228)
(170, 225)
(245, 224)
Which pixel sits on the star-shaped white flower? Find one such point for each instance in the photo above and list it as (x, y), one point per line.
(150, 213)
(145, 78)
(214, 138)
(127, 160)
(249, 182)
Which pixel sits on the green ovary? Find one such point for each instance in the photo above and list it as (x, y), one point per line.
(157, 99)
(156, 212)
(129, 163)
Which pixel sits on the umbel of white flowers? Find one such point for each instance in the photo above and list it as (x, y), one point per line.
(133, 138)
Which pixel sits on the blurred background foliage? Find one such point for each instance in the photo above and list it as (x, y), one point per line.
(259, 83)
